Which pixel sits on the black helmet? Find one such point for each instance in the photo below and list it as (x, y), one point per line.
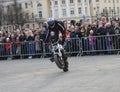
(51, 22)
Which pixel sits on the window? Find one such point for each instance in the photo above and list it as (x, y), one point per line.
(8, 7)
(79, 1)
(40, 14)
(105, 10)
(20, 17)
(26, 5)
(105, 1)
(86, 11)
(20, 6)
(98, 8)
(13, 5)
(39, 5)
(110, 9)
(27, 16)
(56, 12)
(117, 1)
(33, 25)
(71, 1)
(118, 10)
(51, 13)
(79, 10)
(72, 11)
(85, 1)
(64, 12)
(109, 1)
(28, 26)
(97, 0)
(31, 4)
(114, 9)
(56, 2)
(32, 15)
(63, 1)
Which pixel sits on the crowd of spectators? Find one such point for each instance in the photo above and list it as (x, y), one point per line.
(30, 42)
(97, 36)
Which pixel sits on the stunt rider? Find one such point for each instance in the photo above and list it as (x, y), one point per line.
(54, 29)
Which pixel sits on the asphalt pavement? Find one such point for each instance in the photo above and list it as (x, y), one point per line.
(86, 74)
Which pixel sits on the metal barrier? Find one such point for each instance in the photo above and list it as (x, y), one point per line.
(72, 47)
(21, 50)
(86, 45)
(101, 44)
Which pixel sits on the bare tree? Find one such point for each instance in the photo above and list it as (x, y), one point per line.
(14, 15)
(2, 14)
(19, 18)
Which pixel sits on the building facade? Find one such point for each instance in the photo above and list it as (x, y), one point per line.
(38, 10)
(70, 9)
(34, 12)
(107, 8)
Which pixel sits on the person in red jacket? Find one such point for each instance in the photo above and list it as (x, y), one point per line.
(7, 46)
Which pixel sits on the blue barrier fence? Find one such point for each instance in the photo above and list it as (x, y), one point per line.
(92, 45)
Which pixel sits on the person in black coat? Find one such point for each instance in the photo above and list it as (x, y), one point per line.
(23, 39)
(31, 44)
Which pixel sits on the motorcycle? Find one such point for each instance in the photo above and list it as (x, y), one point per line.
(59, 56)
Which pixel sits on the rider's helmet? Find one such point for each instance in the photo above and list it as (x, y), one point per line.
(51, 22)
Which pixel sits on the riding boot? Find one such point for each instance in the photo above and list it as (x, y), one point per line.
(52, 58)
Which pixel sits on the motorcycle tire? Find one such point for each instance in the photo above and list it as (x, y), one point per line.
(65, 69)
(59, 62)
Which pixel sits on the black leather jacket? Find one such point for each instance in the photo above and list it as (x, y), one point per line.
(58, 27)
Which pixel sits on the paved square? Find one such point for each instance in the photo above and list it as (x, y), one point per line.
(86, 74)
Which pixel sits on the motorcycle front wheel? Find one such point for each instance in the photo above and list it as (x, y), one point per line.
(59, 62)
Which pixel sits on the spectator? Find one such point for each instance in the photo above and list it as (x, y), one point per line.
(17, 42)
(77, 31)
(92, 41)
(31, 44)
(37, 42)
(67, 41)
(2, 47)
(73, 33)
(23, 43)
(8, 47)
(108, 38)
(117, 36)
(117, 28)
(100, 40)
(85, 41)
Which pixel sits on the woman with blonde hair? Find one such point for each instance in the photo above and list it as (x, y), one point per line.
(37, 42)
(85, 40)
(31, 44)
